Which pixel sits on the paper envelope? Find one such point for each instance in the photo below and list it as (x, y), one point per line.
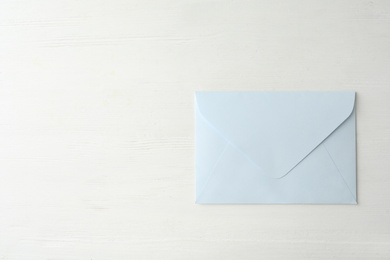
(275, 147)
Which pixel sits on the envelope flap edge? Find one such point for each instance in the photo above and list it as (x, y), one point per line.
(243, 118)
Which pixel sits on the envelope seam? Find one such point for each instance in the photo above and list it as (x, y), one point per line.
(342, 177)
(212, 171)
(230, 142)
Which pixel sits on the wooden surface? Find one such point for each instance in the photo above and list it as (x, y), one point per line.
(97, 125)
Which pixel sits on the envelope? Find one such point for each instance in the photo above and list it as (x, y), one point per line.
(275, 147)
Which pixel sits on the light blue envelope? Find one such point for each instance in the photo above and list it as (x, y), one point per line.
(275, 147)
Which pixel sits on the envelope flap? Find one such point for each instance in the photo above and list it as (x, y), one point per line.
(275, 130)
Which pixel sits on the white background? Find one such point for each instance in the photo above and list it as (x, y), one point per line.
(97, 125)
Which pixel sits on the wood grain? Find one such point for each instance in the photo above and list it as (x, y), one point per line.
(97, 125)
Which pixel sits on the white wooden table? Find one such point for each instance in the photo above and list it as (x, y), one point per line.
(97, 125)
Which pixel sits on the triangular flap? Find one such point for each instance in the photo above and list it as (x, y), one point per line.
(276, 130)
